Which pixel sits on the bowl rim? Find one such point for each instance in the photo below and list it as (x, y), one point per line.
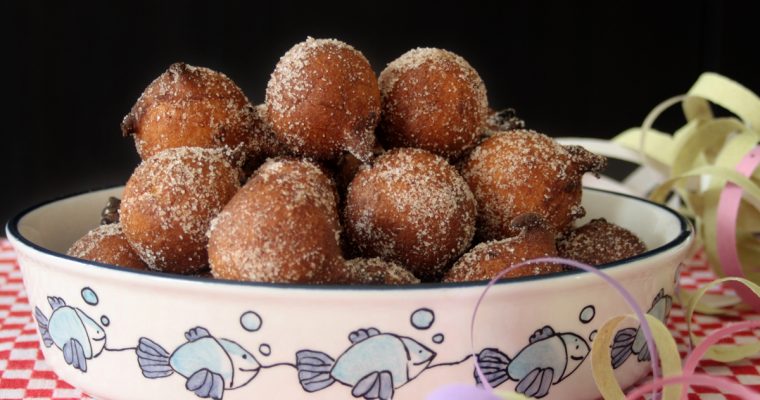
(11, 228)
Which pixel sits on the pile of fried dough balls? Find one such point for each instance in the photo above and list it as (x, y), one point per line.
(343, 177)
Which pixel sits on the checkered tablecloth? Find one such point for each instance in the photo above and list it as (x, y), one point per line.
(25, 375)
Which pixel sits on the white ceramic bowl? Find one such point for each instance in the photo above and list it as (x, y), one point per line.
(122, 334)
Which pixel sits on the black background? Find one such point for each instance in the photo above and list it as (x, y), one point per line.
(585, 69)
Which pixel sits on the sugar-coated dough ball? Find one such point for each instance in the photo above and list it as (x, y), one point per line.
(282, 226)
(434, 100)
(323, 99)
(487, 259)
(411, 207)
(189, 106)
(169, 202)
(107, 244)
(519, 172)
(600, 242)
(376, 271)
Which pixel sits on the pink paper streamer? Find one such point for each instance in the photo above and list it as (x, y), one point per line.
(728, 209)
(723, 384)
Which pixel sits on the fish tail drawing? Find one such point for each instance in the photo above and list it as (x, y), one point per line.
(494, 365)
(153, 359)
(622, 346)
(314, 370)
(42, 322)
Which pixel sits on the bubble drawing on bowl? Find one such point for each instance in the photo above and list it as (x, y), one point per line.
(592, 335)
(422, 318)
(89, 296)
(631, 340)
(395, 360)
(250, 321)
(211, 365)
(587, 314)
(104, 320)
(71, 330)
(438, 338)
(265, 349)
(547, 360)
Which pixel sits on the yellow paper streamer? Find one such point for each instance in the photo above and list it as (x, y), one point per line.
(699, 159)
(601, 359)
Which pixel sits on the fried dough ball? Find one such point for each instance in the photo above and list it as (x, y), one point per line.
(535, 239)
(107, 244)
(323, 99)
(376, 271)
(434, 100)
(263, 143)
(600, 242)
(411, 207)
(169, 202)
(282, 226)
(189, 106)
(519, 172)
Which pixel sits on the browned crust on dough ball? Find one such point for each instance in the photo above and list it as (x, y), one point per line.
(433, 100)
(487, 259)
(411, 207)
(107, 244)
(169, 202)
(519, 172)
(282, 226)
(376, 271)
(189, 106)
(600, 242)
(323, 99)
(263, 143)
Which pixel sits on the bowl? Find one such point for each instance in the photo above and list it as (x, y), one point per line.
(124, 334)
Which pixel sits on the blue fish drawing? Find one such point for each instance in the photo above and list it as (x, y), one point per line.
(547, 360)
(632, 341)
(71, 330)
(374, 366)
(211, 365)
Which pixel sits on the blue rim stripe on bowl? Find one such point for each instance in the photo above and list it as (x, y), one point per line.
(11, 229)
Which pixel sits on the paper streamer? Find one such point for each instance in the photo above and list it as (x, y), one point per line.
(712, 164)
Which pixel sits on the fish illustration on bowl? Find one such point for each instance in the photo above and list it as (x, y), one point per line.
(547, 360)
(630, 341)
(374, 365)
(71, 330)
(211, 365)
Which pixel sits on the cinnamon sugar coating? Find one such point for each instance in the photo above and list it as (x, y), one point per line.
(376, 271)
(535, 239)
(108, 245)
(168, 204)
(189, 106)
(323, 99)
(411, 207)
(282, 226)
(521, 171)
(600, 242)
(433, 100)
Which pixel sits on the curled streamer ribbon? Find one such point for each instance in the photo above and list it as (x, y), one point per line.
(712, 164)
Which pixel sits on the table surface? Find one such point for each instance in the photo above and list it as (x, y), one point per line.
(25, 375)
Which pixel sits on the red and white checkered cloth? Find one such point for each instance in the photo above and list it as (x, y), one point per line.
(25, 375)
